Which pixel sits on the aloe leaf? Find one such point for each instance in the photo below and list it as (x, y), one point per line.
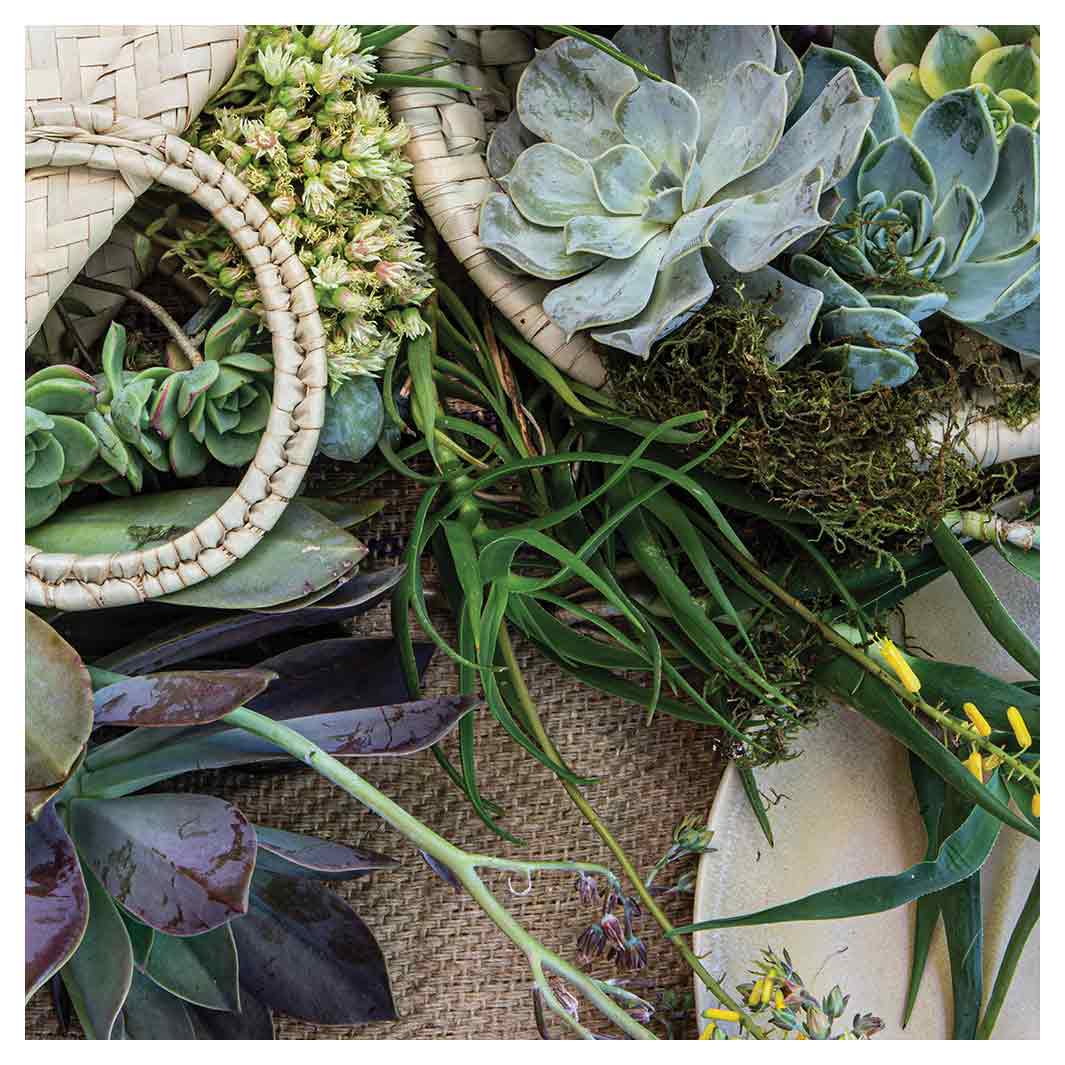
(659, 118)
(294, 854)
(1011, 206)
(179, 863)
(303, 950)
(995, 617)
(963, 852)
(199, 969)
(623, 177)
(57, 906)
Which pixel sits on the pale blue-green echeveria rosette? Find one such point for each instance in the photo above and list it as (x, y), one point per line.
(649, 194)
(946, 220)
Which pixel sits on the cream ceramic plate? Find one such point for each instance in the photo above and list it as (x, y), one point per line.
(850, 813)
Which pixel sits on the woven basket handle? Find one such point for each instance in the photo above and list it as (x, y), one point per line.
(143, 153)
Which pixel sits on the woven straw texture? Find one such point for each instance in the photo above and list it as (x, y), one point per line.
(454, 975)
(162, 73)
(449, 135)
(142, 152)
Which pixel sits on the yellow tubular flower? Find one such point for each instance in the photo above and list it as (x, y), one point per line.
(708, 1031)
(1020, 729)
(1035, 804)
(756, 993)
(721, 1015)
(767, 988)
(900, 667)
(975, 764)
(779, 1003)
(979, 722)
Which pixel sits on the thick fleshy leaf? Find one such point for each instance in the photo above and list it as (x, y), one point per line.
(623, 176)
(1014, 66)
(57, 909)
(659, 118)
(948, 59)
(535, 249)
(956, 135)
(354, 419)
(98, 976)
(550, 185)
(47, 466)
(681, 289)
(917, 308)
(666, 206)
(871, 367)
(869, 324)
(58, 705)
(648, 45)
(1025, 109)
(693, 231)
(610, 236)
(787, 63)
(898, 45)
(178, 698)
(614, 291)
(179, 863)
(1020, 331)
(253, 1021)
(994, 289)
(568, 93)
(1011, 207)
(703, 57)
(894, 167)
(199, 969)
(78, 443)
(304, 951)
(959, 220)
(508, 140)
(297, 855)
(152, 1013)
(904, 84)
(836, 291)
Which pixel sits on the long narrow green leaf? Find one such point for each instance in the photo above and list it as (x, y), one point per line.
(754, 798)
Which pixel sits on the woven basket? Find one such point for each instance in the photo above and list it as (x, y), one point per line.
(449, 135)
(162, 73)
(141, 152)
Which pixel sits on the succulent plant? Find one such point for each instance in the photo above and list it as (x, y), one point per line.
(150, 930)
(652, 193)
(946, 220)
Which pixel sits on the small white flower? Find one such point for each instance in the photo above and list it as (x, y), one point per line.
(318, 198)
(331, 272)
(275, 62)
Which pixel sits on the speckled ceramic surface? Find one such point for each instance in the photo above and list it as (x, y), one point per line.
(849, 813)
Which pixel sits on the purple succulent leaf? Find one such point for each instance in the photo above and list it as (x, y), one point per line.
(152, 1013)
(293, 854)
(179, 863)
(201, 970)
(57, 907)
(253, 1021)
(304, 951)
(185, 697)
(441, 870)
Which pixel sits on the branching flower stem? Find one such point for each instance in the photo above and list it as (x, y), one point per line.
(464, 865)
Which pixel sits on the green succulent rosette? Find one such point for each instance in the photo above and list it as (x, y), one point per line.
(648, 196)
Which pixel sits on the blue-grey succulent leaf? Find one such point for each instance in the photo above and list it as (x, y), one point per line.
(508, 140)
(611, 236)
(959, 220)
(703, 57)
(550, 185)
(869, 324)
(535, 249)
(847, 259)
(648, 45)
(615, 291)
(659, 118)
(665, 207)
(623, 176)
(896, 166)
(821, 65)
(918, 209)
(797, 305)
(1011, 207)
(957, 137)
(693, 231)
(836, 291)
(916, 307)
(568, 93)
(871, 367)
(787, 63)
(847, 186)
(1019, 331)
(995, 289)
(749, 128)
(680, 290)
(828, 136)
(354, 418)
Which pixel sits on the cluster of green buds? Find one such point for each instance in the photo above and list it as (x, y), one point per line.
(301, 126)
(117, 429)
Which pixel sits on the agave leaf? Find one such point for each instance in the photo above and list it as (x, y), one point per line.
(199, 969)
(550, 185)
(869, 323)
(680, 290)
(508, 140)
(659, 118)
(57, 909)
(894, 167)
(608, 236)
(648, 45)
(896, 45)
(614, 291)
(535, 249)
(98, 976)
(58, 705)
(949, 57)
(568, 93)
(623, 176)
(178, 698)
(959, 220)
(152, 1013)
(1011, 207)
(957, 137)
(293, 854)
(836, 291)
(179, 863)
(303, 950)
(704, 56)
(1019, 331)
(994, 289)
(904, 84)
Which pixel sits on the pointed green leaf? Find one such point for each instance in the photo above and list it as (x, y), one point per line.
(199, 969)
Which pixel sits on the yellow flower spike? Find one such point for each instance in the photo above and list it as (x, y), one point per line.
(979, 722)
(992, 762)
(975, 764)
(767, 988)
(708, 1031)
(1035, 804)
(1020, 729)
(721, 1015)
(779, 1003)
(756, 993)
(901, 668)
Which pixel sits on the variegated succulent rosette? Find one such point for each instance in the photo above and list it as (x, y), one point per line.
(647, 197)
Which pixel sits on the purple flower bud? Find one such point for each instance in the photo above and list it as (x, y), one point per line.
(587, 889)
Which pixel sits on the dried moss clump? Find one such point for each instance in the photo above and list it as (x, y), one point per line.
(863, 464)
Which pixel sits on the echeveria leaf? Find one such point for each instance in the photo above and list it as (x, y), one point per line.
(199, 969)
(1014, 66)
(898, 45)
(693, 231)
(836, 291)
(297, 855)
(549, 185)
(665, 207)
(648, 45)
(179, 863)
(959, 220)
(1025, 109)
(78, 443)
(904, 84)
(535, 249)
(869, 324)
(623, 176)
(57, 909)
(41, 504)
(917, 308)
(1019, 331)
(47, 465)
(568, 93)
(896, 166)
(304, 951)
(609, 236)
(787, 63)
(354, 419)
(947, 61)
(994, 289)
(956, 135)
(871, 366)
(1011, 207)
(508, 140)
(659, 118)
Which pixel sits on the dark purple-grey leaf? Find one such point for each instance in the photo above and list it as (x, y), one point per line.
(252, 1022)
(57, 908)
(441, 870)
(305, 951)
(199, 969)
(179, 863)
(294, 854)
(152, 1013)
(186, 697)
